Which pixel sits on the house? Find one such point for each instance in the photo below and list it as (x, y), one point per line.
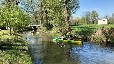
(102, 21)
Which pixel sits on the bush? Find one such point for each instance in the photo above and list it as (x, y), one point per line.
(103, 36)
(86, 33)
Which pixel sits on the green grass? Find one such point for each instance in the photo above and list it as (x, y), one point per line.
(13, 49)
(88, 29)
(90, 26)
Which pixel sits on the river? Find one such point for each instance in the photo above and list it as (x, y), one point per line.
(51, 53)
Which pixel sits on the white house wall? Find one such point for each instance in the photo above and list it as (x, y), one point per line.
(102, 22)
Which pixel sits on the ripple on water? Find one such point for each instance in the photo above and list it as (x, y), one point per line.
(93, 54)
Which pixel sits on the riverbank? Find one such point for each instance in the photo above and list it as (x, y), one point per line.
(13, 49)
(99, 34)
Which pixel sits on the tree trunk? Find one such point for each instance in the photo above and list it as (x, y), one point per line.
(41, 15)
(66, 15)
(10, 30)
(93, 21)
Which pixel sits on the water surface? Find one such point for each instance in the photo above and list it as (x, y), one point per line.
(50, 53)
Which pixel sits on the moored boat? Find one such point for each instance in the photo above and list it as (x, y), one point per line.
(77, 41)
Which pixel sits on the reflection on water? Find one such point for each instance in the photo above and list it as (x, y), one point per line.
(50, 53)
(57, 55)
(35, 47)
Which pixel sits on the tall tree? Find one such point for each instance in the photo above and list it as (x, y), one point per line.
(51, 11)
(13, 17)
(87, 17)
(76, 21)
(31, 7)
(113, 18)
(70, 6)
(94, 16)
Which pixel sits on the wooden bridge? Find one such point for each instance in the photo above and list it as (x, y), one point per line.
(34, 25)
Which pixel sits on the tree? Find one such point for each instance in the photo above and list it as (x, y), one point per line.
(51, 11)
(82, 21)
(11, 16)
(76, 21)
(31, 7)
(70, 6)
(107, 16)
(111, 19)
(94, 16)
(46, 12)
(87, 17)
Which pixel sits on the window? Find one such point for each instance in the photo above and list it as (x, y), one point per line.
(103, 20)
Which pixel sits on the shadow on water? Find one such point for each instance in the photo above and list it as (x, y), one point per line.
(48, 52)
(51, 53)
(54, 54)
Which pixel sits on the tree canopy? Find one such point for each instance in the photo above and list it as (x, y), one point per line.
(11, 16)
(47, 13)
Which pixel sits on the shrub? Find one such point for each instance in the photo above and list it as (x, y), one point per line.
(103, 36)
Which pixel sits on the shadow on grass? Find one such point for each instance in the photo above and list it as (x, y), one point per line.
(83, 27)
(13, 45)
(14, 52)
(10, 47)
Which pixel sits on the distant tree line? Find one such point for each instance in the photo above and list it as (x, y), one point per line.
(87, 18)
(91, 18)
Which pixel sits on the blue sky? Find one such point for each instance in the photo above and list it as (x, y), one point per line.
(103, 7)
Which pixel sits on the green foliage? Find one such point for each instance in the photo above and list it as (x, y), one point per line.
(94, 16)
(103, 36)
(49, 26)
(11, 16)
(97, 38)
(50, 11)
(111, 19)
(88, 30)
(88, 17)
(54, 12)
(109, 33)
(76, 21)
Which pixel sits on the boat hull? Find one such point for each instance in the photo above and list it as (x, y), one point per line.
(78, 42)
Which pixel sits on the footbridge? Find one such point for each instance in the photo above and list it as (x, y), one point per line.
(35, 27)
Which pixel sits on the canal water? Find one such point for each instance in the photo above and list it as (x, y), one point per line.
(50, 53)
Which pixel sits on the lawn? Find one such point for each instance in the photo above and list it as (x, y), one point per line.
(90, 26)
(13, 49)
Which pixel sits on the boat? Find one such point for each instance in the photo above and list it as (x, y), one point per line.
(78, 41)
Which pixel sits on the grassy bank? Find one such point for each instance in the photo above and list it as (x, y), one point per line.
(101, 34)
(87, 31)
(90, 26)
(13, 49)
